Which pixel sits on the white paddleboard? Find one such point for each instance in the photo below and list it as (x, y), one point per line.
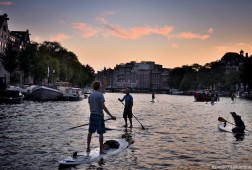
(94, 155)
(226, 128)
(114, 128)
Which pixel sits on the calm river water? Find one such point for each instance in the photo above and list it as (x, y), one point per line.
(179, 134)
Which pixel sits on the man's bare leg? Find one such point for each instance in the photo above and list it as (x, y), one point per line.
(89, 141)
(101, 143)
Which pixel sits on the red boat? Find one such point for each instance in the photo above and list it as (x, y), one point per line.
(203, 97)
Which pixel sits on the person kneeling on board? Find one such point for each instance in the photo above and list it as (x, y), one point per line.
(240, 127)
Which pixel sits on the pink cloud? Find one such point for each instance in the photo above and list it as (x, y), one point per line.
(190, 35)
(6, 3)
(108, 29)
(210, 30)
(86, 30)
(60, 37)
(132, 32)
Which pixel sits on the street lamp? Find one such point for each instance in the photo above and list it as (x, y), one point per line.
(53, 71)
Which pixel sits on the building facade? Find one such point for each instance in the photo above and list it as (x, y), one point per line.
(18, 41)
(145, 75)
(4, 32)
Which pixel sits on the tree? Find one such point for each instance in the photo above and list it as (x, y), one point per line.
(9, 60)
(176, 76)
(26, 59)
(89, 71)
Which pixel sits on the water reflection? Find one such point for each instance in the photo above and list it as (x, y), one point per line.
(239, 137)
(179, 133)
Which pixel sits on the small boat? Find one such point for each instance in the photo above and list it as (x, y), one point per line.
(46, 93)
(202, 97)
(71, 93)
(205, 97)
(114, 147)
(11, 97)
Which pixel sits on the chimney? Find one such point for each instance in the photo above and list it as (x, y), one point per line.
(241, 52)
(5, 16)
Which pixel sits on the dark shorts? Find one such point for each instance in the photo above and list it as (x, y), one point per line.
(127, 113)
(96, 123)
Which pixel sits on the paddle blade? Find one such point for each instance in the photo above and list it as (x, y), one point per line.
(221, 119)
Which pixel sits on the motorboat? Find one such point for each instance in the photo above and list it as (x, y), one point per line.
(46, 93)
(71, 93)
(11, 97)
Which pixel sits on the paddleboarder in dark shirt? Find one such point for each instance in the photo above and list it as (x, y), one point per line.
(240, 126)
(127, 113)
(153, 97)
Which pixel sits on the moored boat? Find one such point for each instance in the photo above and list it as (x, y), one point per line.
(71, 93)
(11, 97)
(201, 97)
(206, 96)
(46, 93)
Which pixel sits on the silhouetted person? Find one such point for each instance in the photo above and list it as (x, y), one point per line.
(153, 97)
(240, 126)
(232, 95)
(127, 113)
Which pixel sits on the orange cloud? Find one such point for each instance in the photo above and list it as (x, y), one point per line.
(60, 37)
(6, 3)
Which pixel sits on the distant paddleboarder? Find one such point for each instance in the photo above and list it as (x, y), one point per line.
(153, 97)
(232, 95)
(127, 113)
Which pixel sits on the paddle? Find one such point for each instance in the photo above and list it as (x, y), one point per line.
(83, 125)
(224, 120)
(136, 119)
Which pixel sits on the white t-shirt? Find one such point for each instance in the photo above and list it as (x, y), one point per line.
(94, 101)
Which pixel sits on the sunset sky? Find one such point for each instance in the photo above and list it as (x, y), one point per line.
(103, 33)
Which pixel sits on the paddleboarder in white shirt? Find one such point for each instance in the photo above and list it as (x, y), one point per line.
(96, 121)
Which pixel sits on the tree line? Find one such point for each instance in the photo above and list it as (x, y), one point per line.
(210, 76)
(45, 61)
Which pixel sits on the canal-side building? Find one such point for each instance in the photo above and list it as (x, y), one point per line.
(4, 37)
(18, 41)
(145, 75)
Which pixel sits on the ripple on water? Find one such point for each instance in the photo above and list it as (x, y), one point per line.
(180, 134)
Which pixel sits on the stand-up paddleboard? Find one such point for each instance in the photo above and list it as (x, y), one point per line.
(225, 128)
(84, 157)
(114, 128)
